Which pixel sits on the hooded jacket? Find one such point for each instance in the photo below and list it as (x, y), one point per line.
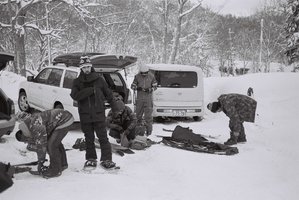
(238, 108)
(41, 126)
(91, 91)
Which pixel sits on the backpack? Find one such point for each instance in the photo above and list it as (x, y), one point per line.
(140, 143)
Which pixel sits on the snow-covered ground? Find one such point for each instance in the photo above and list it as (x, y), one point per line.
(266, 167)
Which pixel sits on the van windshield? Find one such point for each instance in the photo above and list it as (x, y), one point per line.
(176, 79)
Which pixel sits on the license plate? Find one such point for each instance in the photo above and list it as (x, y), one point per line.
(179, 113)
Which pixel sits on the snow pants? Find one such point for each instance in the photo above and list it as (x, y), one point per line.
(144, 107)
(56, 150)
(100, 129)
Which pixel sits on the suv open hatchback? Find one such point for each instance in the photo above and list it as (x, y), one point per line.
(51, 87)
(7, 109)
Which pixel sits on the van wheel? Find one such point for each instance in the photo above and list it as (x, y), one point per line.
(197, 118)
(23, 103)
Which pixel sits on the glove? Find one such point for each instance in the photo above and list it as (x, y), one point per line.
(126, 132)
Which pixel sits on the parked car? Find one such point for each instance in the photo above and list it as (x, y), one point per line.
(7, 109)
(51, 87)
(180, 91)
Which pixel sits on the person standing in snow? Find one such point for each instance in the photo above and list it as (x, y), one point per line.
(122, 121)
(144, 83)
(6, 174)
(46, 130)
(239, 108)
(90, 90)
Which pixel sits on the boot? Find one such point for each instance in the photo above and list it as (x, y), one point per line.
(232, 140)
(51, 173)
(241, 138)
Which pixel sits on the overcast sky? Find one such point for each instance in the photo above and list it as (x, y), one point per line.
(235, 7)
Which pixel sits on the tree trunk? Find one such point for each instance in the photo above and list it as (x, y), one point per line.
(20, 58)
(177, 36)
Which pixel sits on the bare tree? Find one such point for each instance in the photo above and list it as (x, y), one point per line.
(177, 35)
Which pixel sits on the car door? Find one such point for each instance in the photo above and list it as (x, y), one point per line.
(35, 88)
(51, 90)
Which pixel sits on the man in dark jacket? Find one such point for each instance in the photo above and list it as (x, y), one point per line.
(121, 120)
(90, 91)
(238, 108)
(46, 130)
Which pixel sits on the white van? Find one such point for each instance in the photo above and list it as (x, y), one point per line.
(180, 91)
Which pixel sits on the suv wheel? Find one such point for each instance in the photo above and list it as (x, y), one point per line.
(23, 103)
(58, 106)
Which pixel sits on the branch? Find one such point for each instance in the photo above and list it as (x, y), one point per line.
(190, 10)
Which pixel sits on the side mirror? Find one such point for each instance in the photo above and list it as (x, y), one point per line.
(30, 78)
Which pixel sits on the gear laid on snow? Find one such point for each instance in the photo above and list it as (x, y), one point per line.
(184, 138)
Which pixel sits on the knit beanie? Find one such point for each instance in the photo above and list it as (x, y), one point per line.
(118, 106)
(214, 106)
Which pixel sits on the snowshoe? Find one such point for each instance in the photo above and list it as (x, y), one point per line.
(90, 165)
(109, 165)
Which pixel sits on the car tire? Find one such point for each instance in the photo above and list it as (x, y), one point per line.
(58, 106)
(197, 118)
(23, 103)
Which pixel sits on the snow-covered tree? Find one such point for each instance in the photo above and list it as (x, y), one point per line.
(292, 29)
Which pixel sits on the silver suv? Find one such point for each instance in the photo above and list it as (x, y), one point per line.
(7, 109)
(51, 87)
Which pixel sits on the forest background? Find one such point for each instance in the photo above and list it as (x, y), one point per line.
(155, 31)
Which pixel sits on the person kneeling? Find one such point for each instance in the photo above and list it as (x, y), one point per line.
(122, 122)
(46, 129)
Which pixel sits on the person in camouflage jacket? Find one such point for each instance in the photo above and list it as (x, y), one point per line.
(239, 108)
(46, 130)
(121, 120)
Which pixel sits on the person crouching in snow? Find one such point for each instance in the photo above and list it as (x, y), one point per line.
(122, 122)
(238, 108)
(46, 129)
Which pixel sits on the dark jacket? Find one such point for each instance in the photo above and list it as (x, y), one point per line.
(5, 178)
(126, 121)
(91, 91)
(238, 108)
(41, 126)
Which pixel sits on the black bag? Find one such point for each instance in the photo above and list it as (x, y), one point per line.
(187, 135)
(5, 178)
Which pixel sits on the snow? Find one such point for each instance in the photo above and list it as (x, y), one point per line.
(265, 168)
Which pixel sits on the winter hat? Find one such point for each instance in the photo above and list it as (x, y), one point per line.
(85, 62)
(143, 68)
(24, 128)
(118, 106)
(214, 106)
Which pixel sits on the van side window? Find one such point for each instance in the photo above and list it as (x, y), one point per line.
(69, 78)
(176, 79)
